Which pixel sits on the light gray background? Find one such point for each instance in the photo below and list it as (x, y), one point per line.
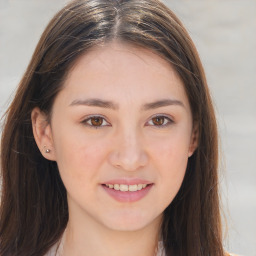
(224, 32)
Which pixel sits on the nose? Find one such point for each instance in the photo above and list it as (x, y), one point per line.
(128, 151)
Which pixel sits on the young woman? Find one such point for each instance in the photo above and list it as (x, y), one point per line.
(110, 144)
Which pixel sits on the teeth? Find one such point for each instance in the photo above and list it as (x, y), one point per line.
(140, 186)
(133, 188)
(124, 188)
(116, 187)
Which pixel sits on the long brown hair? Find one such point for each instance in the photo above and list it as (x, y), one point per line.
(34, 212)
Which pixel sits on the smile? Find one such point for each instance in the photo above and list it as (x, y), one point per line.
(127, 193)
(124, 187)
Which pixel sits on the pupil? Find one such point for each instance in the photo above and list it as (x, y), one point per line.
(158, 120)
(97, 121)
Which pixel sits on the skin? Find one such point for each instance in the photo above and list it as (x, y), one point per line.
(130, 143)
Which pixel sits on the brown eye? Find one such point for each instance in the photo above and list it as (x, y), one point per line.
(97, 121)
(159, 120)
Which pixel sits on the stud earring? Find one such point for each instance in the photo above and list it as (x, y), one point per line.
(47, 150)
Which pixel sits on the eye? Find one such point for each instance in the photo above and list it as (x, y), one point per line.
(160, 121)
(95, 122)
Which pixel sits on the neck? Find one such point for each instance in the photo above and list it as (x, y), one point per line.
(88, 238)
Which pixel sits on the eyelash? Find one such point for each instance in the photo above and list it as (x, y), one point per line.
(167, 121)
(85, 122)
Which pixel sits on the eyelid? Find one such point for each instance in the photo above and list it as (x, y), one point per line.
(165, 116)
(168, 117)
(86, 119)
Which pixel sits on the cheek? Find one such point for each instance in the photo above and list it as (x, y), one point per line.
(172, 160)
(171, 148)
(77, 155)
(172, 169)
(170, 157)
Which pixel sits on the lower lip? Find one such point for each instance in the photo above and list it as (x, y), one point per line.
(127, 196)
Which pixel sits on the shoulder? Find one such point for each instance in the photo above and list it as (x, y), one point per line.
(52, 251)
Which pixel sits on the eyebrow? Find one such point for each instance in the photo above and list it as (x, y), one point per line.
(111, 105)
(95, 103)
(162, 103)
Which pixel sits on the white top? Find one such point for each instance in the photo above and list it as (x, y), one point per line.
(56, 250)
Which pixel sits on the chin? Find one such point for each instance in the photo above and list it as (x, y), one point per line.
(126, 226)
(130, 222)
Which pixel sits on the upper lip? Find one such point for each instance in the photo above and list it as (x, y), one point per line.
(128, 181)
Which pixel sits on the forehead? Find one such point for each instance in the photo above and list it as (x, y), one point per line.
(116, 55)
(119, 70)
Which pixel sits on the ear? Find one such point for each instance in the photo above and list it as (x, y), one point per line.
(43, 134)
(193, 140)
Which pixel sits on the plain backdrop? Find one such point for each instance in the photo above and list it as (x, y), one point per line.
(224, 33)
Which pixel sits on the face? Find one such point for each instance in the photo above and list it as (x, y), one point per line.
(121, 133)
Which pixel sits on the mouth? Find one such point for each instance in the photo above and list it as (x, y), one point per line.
(127, 193)
(125, 187)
